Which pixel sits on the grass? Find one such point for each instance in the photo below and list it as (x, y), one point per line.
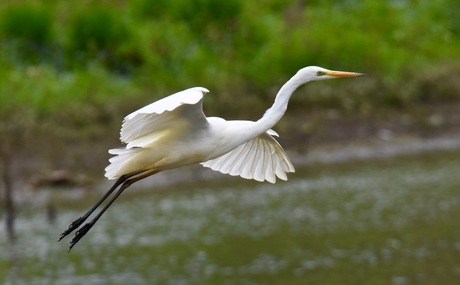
(170, 45)
(391, 221)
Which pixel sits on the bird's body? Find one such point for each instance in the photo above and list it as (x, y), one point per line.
(174, 132)
(187, 137)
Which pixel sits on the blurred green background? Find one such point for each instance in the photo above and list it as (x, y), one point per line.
(85, 53)
(71, 70)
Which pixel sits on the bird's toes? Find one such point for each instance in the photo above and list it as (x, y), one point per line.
(73, 226)
(79, 234)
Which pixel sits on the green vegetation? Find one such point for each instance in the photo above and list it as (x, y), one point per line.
(70, 70)
(393, 221)
(232, 47)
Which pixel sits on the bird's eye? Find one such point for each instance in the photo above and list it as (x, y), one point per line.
(320, 73)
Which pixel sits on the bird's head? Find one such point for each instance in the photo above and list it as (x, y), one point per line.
(316, 73)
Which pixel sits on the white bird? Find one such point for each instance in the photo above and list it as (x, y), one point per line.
(174, 132)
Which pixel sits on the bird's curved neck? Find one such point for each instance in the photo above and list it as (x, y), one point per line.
(277, 110)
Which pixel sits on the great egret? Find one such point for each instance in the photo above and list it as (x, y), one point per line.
(174, 132)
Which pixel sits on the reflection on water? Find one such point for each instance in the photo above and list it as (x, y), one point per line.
(392, 221)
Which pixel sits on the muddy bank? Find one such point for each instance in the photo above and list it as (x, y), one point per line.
(318, 137)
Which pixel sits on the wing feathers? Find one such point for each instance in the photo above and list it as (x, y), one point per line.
(260, 159)
(176, 111)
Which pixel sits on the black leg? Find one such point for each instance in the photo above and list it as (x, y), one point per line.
(128, 182)
(75, 224)
(78, 222)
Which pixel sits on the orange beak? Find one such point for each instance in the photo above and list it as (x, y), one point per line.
(343, 73)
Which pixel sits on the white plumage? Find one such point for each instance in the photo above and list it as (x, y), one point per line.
(164, 113)
(179, 116)
(174, 132)
(261, 158)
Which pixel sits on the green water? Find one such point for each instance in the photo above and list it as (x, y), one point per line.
(393, 221)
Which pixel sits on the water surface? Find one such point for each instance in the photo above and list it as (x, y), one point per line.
(389, 221)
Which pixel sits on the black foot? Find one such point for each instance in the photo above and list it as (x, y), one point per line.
(73, 226)
(80, 233)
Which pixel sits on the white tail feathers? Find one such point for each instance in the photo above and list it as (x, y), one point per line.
(116, 168)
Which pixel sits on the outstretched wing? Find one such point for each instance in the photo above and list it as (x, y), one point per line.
(261, 158)
(181, 112)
